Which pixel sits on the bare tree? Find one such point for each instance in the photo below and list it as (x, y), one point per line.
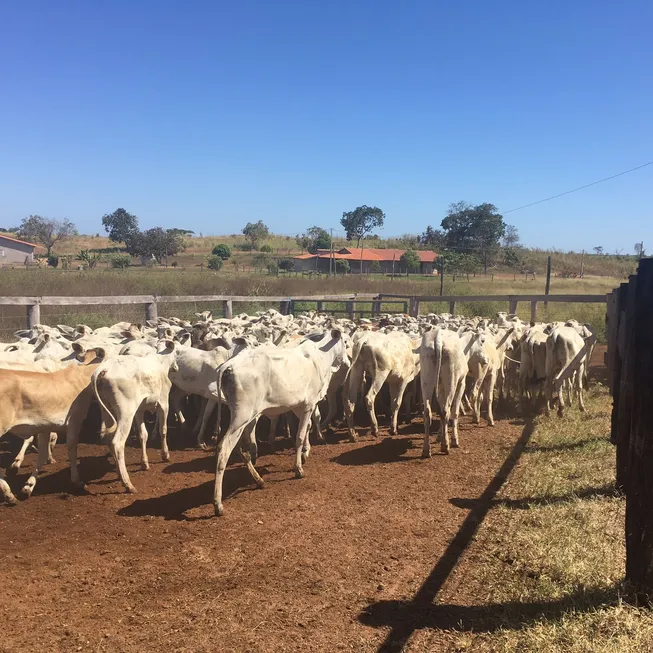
(46, 231)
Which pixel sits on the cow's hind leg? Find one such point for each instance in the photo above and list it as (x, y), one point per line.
(226, 445)
(370, 398)
(248, 452)
(20, 456)
(302, 434)
(162, 417)
(117, 449)
(143, 435)
(5, 490)
(42, 460)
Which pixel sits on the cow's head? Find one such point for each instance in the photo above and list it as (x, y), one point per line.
(168, 347)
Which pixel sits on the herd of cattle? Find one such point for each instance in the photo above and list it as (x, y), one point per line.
(276, 366)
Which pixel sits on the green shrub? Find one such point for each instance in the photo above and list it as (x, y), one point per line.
(53, 260)
(375, 267)
(273, 268)
(266, 248)
(342, 266)
(214, 262)
(120, 261)
(287, 264)
(221, 250)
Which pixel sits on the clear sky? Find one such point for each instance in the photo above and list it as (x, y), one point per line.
(208, 114)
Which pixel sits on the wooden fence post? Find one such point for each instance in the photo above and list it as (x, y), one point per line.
(405, 308)
(33, 315)
(350, 308)
(547, 286)
(376, 307)
(320, 306)
(414, 307)
(534, 311)
(513, 307)
(151, 311)
(452, 307)
(639, 488)
(227, 309)
(284, 307)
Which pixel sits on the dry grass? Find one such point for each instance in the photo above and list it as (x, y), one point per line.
(550, 556)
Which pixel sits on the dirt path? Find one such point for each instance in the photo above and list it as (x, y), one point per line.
(291, 567)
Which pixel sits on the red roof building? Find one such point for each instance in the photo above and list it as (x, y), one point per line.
(365, 260)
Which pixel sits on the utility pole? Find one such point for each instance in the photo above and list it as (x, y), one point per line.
(442, 276)
(582, 261)
(547, 287)
(331, 255)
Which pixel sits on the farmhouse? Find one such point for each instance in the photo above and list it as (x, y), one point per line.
(370, 260)
(15, 252)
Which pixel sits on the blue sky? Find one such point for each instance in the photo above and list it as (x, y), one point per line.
(207, 114)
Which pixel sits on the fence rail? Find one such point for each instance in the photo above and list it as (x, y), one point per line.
(409, 303)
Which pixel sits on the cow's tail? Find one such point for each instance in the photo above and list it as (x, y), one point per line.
(219, 395)
(110, 423)
(438, 345)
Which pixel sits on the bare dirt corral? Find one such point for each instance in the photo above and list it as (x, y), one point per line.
(294, 567)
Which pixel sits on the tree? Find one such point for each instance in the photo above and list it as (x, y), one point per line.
(156, 242)
(470, 227)
(286, 264)
(342, 266)
(639, 250)
(221, 250)
(598, 250)
(410, 260)
(46, 231)
(360, 222)
(375, 267)
(433, 238)
(255, 232)
(120, 261)
(510, 236)
(214, 262)
(266, 249)
(90, 259)
(120, 225)
(315, 238)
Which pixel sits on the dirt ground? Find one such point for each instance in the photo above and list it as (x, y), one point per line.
(293, 567)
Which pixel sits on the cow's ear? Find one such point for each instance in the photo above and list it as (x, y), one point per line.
(221, 342)
(183, 337)
(100, 352)
(168, 344)
(46, 337)
(239, 341)
(78, 348)
(336, 334)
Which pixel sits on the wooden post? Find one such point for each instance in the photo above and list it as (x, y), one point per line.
(405, 308)
(33, 315)
(534, 311)
(284, 307)
(227, 309)
(350, 308)
(320, 306)
(513, 307)
(442, 278)
(376, 307)
(622, 414)
(414, 307)
(547, 287)
(151, 311)
(452, 307)
(582, 264)
(639, 489)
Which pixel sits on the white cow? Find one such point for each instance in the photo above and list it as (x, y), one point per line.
(270, 381)
(125, 387)
(391, 357)
(443, 368)
(562, 346)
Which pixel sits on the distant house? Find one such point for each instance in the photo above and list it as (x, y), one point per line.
(15, 252)
(388, 259)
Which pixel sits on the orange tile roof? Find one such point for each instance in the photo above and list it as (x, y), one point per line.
(370, 254)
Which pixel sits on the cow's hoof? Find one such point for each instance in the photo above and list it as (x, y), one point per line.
(218, 509)
(203, 446)
(490, 423)
(299, 473)
(79, 488)
(26, 491)
(393, 431)
(130, 489)
(51, 461)
(165, 457)
(13, 469)
(454, 445)
(145, 466)
(353, 437)
(260, 484)
(444, 450)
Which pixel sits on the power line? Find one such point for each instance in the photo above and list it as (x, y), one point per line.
(594, 183)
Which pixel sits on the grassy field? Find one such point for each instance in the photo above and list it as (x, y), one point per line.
(550, 556)
(198, 247)
(177, 281)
